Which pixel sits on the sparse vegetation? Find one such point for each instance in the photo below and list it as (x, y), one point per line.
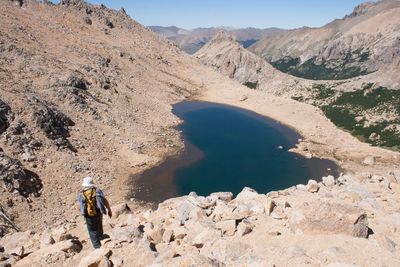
(251, 85)
(311, 70)
(348, 110)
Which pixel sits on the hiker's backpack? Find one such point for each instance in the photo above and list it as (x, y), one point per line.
(90, 202)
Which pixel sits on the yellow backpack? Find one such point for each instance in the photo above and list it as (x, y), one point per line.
(90, 202)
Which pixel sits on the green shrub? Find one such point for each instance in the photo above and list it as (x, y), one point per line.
(251, 85)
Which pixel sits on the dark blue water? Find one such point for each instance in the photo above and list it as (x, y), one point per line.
(227, 149)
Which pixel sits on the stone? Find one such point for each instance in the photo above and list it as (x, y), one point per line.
(155, 234)
(120, 209)
(329, 218)
(279, 213)
(328, 181)
(12, 243)
(227, 227)
(225, 250)
(46, 240)
(244, 227)
(312, 186)
(201, 233)
(179, 233)
(88, 21)
(243, 98)
(17, 251)
(201, 202)
(246, 194)
(95, 257)
(273, 194)
(52, 253)
(117, 261)
(125, 234)
(270, 206)
(369, 161)
(167, 236)
(222, 210)
(224, 196)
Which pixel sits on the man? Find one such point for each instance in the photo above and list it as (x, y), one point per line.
(93, 205)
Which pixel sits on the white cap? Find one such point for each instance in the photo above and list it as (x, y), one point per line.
(87, 182)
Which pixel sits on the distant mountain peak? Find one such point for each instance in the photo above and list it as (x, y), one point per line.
(222, 36)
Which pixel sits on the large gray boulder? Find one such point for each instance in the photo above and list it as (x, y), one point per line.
(329, 218)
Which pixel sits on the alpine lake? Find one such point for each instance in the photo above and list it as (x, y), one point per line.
(226, 149)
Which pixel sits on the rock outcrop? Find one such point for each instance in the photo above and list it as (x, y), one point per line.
(323, 227)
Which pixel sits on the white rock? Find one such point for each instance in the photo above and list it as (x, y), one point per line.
(312, 186)
(244, 227)
(328, 181)
(370, 160)
(95, 257)
(227, 227)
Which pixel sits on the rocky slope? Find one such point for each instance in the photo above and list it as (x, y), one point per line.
(318, 224)
(360, 43)
(192, 40)
(84, 91)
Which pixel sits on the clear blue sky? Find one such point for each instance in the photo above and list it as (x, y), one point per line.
(237, 13)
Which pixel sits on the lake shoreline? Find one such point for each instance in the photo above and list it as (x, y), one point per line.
(157, 184)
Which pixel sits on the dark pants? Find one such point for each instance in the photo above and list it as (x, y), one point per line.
(95, 229)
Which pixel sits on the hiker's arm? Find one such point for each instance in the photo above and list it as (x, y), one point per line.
(107, 204)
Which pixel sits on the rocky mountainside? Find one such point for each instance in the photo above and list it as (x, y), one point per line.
(84, 91)
(227, 56)
(192, 40)
(360, 43)
(367, 106)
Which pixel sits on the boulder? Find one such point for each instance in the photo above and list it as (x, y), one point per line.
(52, 254)
(244, 227)
(201, 233)
(312, 186)
(225, 250)
(270, 206)
(222, 210)
(227, 227)
(187, 210)
(369, 161)
(328, 181)
(201, 202)
(246, 194)
(224, 196)
(120, 209)
(125, 234)
(329, 218)
(12, 243)
(189, 260)
(95, 258)
(179, 233)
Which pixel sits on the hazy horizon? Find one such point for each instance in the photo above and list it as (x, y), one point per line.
(287, 14)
